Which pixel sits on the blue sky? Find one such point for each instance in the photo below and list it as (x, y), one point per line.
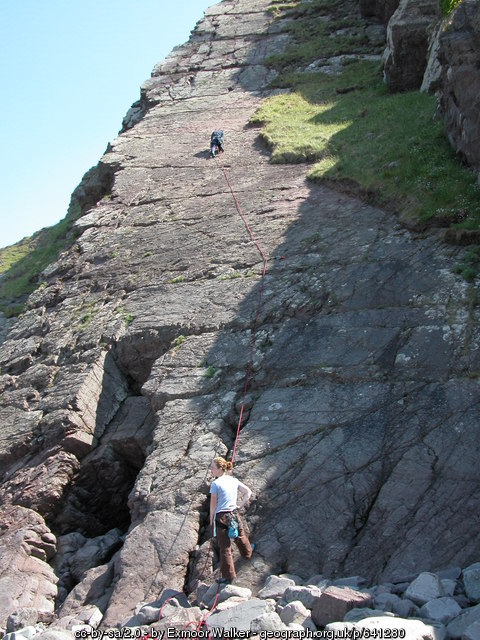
(69, 71)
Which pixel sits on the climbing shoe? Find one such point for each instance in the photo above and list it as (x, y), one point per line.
(224, 581)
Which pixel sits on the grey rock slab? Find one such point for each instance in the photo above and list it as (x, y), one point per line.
(241, 616)
(402, 607)
(449, 586)
(294, 612)
(441, 610)
(452, 573)
(472, 632)
(225, 592)
(23, 617)
(426, 587)
(307, 595)
(275, 587)
(471, 581)
(94, 588)
(459, 625)
(269, 621)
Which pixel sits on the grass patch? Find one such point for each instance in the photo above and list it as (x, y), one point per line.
(22, 263)
(89, 311)
(469, 268)
(446, 6)
(177, 280)
(178, 343)
(388, 147)
(230, 276)
(209, 372)
(127, 317)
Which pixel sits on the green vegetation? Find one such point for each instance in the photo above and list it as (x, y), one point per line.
(321, 29)
(22, 263)
(89, 310)
(127, 317)
(179, 340)
(209, 372)
(230, 276)
(469, 268)
(389, 148)
(446, 6)
(177, 280)
(177, 343)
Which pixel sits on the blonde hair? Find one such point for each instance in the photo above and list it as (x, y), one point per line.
(224, 465)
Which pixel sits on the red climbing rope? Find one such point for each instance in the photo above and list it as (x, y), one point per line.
(245, 388)
(254, 331)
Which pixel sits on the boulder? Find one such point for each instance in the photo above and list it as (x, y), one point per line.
(471, 581)
(441, 610)
(93, 553)
(178, 619)
(333, 604)
(159, 535)
(269, 621)
(241, 616)
(24, 617)
(449, 586)
(306, 595)
(402, 607)
(214, 594)
(294, 612)
(275, 587)
(408, 43)
(26, 633)
(472, 632)
(426, 587)
(459, 625)
(94, 589)
(459, 55)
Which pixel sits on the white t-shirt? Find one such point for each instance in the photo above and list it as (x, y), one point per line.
(226, 489)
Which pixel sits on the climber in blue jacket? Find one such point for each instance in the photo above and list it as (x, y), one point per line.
(216, 143)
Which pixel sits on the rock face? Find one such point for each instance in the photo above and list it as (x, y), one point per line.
(125, 376)
(408, 43)
(381, 10)
(459, 54)
(433, 72)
